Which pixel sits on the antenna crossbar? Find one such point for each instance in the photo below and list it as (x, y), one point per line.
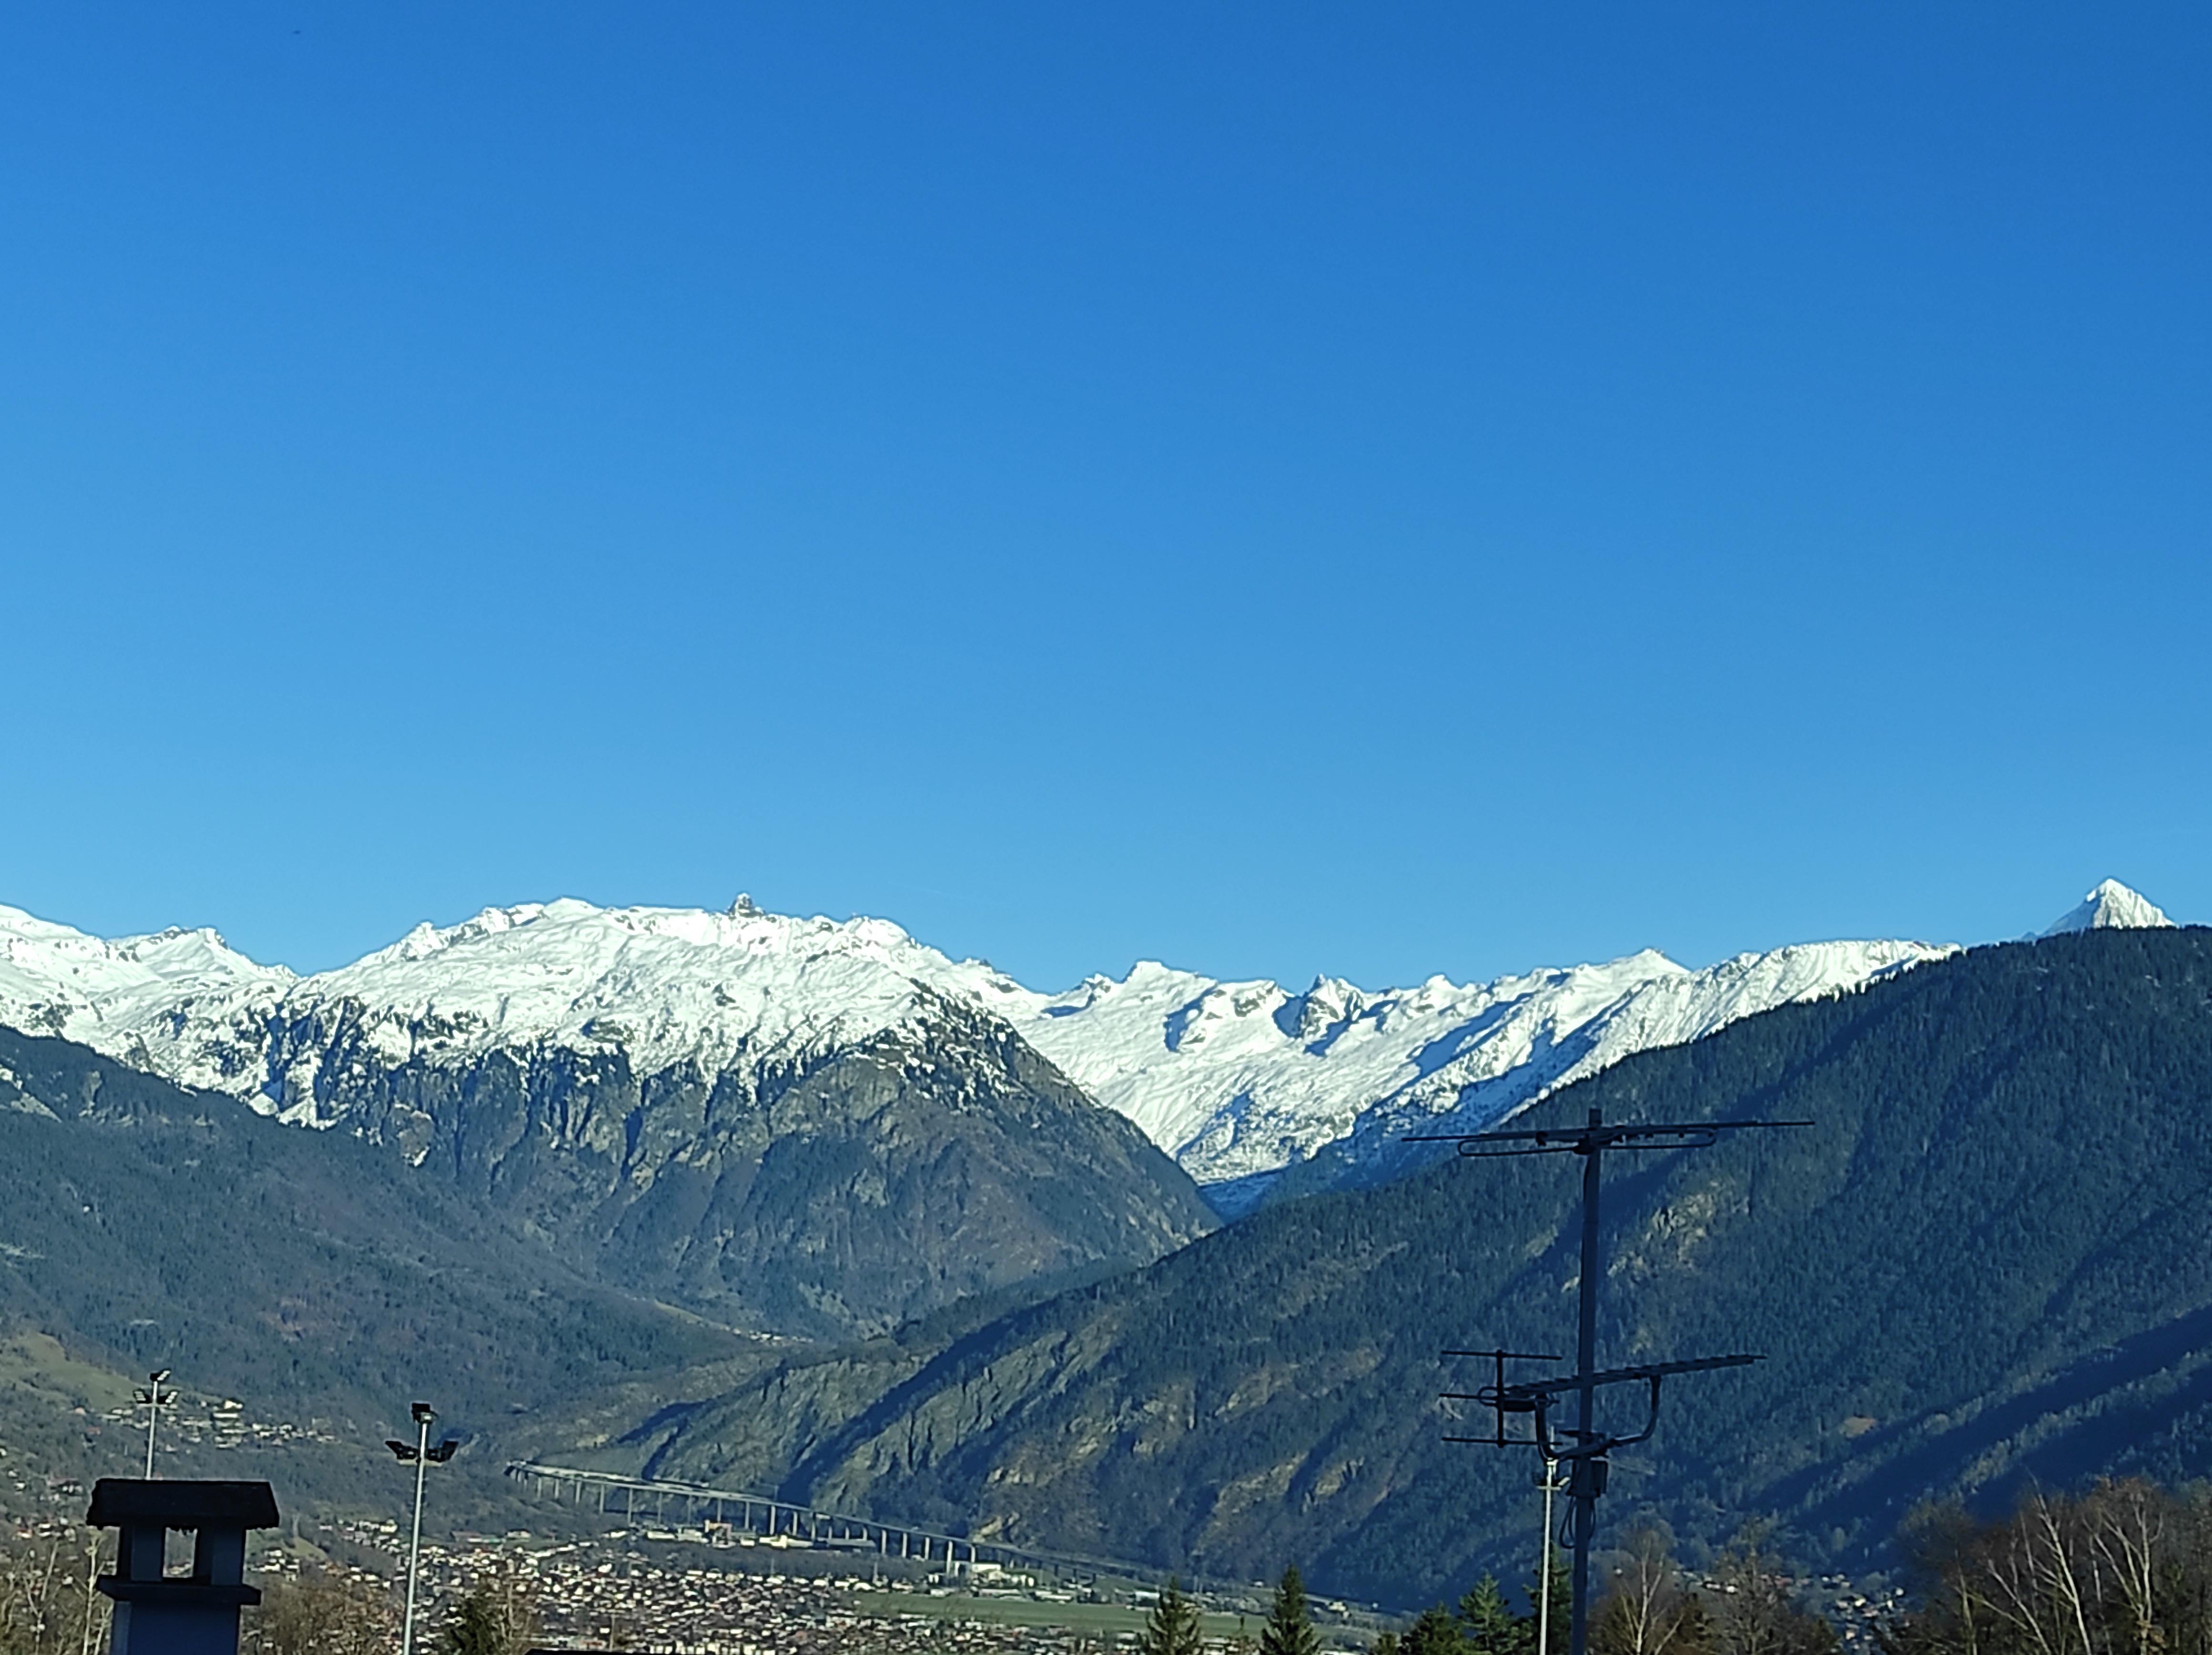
(1587, 1139)
(1531, 1389)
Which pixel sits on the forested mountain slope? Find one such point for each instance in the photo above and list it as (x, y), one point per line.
(145, 1225)
(1990, 1257)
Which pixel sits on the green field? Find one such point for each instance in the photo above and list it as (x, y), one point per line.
(35, 1363)
(1095, 1620)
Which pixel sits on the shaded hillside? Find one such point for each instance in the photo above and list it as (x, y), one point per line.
(1986, 1258)
(147, 1226)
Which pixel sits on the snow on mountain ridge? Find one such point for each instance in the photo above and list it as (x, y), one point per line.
(57, 980)
(670, 985)
(1238, 1081)
(1235, 1080)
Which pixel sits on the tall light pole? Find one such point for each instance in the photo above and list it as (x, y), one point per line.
(424, 1456)
(1552, 1486)
(151, 1394)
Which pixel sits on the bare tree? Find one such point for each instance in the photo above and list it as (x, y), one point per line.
(2126, 1569)
(323, 1613)
(1646, 1609)
(47, 1604)
(1753, 1609)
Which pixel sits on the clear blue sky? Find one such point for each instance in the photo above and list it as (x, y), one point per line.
(1380, 490)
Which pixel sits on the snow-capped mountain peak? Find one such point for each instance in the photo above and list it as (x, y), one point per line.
(672, 986)
(669, 985)
(2111, 906)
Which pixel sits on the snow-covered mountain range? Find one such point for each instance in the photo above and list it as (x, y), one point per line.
(1240, 1081)
(1237, 1081)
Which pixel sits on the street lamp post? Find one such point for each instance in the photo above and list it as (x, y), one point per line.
(424, 1456)
(1552, 1486)
(151, 1394)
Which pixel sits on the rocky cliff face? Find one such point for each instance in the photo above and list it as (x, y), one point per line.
(826, 1192)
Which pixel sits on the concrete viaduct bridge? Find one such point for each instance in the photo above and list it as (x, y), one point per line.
(663, 1501)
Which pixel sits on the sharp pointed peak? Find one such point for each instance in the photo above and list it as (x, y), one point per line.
(2111, 906)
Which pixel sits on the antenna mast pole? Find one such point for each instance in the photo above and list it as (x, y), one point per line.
(1582, 1494)
(1584, 1452)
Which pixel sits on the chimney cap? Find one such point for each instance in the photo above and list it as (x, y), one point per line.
(181, 1503)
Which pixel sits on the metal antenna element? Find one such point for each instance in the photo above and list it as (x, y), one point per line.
(1581, 1447)
(1493, 1396)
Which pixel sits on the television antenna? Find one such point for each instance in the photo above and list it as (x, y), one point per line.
(1581, 1447)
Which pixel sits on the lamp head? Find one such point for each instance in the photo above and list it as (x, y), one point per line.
(157, 1377)
(423, 1413)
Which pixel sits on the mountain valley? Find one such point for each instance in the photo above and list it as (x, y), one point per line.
(859, 1242)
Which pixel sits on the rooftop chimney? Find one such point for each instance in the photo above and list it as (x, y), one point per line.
(195, 1614)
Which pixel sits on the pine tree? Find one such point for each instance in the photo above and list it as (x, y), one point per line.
(1489, 1626)
(1172, 1627)
(1289, 1630)
(1434, 1631)
(1563, 1608)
